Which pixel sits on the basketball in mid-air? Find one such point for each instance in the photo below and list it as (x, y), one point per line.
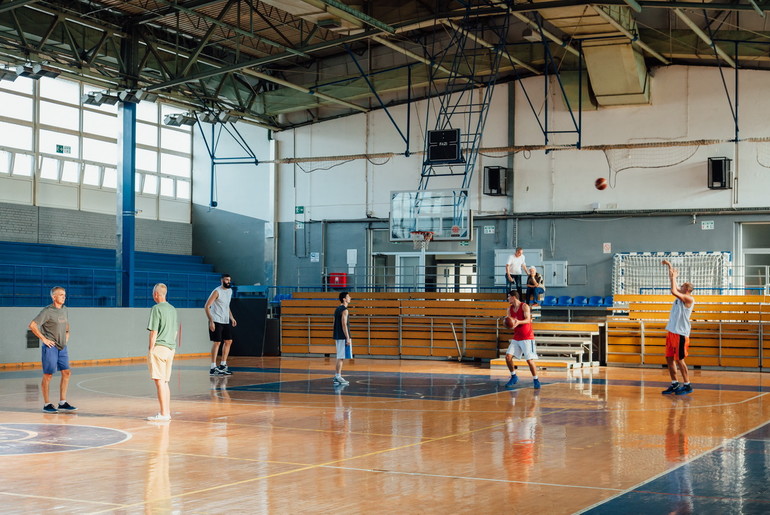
(508, 322)
(601, 183)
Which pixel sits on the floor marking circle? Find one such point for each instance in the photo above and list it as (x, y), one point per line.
(21, 439)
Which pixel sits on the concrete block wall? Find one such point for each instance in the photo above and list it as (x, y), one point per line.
(32, 224)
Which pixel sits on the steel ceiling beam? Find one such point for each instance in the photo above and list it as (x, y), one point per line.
(633, 37)
(153, 16)
(706, 39)
(352, 15)
(489, 46)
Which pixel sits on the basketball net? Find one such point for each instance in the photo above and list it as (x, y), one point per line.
(421, 239)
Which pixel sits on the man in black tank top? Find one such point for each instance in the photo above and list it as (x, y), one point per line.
(341, 336)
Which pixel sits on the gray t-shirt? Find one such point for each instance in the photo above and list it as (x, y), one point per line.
(53, 323)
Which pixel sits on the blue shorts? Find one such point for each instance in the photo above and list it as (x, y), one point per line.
(55, 359)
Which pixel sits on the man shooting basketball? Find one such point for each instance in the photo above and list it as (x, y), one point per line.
(678, 335)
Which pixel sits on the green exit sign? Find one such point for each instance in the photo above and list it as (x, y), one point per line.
(63, 149)
(299, 210)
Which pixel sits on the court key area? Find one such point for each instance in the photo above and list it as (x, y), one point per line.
(403, 437)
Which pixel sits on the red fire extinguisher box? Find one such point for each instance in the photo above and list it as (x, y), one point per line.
(338, 280)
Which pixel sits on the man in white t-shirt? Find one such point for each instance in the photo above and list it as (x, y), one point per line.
(514, 268)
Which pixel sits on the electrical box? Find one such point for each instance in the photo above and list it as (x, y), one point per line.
(555, 273)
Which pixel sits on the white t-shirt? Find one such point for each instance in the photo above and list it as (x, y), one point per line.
(515, 264)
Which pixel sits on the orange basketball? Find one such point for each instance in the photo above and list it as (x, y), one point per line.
(601, 183)
(508, 322)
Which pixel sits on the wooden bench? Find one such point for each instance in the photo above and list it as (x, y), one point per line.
(727, 331)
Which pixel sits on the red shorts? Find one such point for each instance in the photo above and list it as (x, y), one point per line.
(677, 346)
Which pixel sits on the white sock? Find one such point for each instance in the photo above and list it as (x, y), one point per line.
(61, 402)
(534, 377)
(224, 363)
(513, 373)
(213, 365)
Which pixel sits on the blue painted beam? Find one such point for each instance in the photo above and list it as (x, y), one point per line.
(126, 205)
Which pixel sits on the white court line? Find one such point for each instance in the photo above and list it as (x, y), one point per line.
(492, 480)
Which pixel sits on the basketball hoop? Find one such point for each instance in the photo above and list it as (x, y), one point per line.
(421, 239)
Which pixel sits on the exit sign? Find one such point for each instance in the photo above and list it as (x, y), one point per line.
(63, 149)
(298, 210)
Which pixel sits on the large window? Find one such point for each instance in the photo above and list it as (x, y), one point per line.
(49, 136)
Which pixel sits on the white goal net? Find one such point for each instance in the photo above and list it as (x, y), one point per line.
(642, 272)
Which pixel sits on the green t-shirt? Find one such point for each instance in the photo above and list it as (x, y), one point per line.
(163, 319)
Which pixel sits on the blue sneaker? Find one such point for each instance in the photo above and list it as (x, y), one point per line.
(684, 389)
(48, 408)
(513, 380)
(67, 407)
(671, 389)
(536, 384)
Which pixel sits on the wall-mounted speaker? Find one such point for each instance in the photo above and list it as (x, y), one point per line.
(495, 181)
(444, 146)
(720, 173)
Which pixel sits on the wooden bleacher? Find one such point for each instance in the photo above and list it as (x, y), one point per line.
(727, 331)
(421, 325)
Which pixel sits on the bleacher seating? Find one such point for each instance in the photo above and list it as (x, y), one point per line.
(727, 331)
(595, 301)
(29, 270)
(564, 300)
(608, 301)
(580, 300)
(549, 300)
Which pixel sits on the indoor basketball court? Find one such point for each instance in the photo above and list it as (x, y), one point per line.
(404, 437)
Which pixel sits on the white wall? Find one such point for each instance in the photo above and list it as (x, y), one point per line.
(242, 189)
(686, 104)
(99, 333)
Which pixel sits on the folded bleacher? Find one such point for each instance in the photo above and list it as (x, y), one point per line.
(29, 270)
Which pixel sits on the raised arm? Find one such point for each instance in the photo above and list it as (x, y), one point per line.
(676, 291)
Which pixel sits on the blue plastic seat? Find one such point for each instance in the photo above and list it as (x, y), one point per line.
(580, 300)
(608, 301)
(564, 300)
(549, 300)
(595, 301)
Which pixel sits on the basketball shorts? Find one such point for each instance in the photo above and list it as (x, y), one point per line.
(344, 351)
(55, 359)
(677, 346)
(522, 349)
(159, 361)
(221, 332)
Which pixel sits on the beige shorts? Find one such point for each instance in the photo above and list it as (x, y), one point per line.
(159, 361)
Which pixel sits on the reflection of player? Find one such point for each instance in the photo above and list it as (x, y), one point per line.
(157, 492)
(339, 429)
(219, 392)
(521, 435)
(677, 450)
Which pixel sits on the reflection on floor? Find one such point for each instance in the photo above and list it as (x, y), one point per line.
(404, 436)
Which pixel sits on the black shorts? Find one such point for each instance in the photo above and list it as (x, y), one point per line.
(221, 332)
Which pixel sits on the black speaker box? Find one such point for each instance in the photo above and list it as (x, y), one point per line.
(720, 173)
(495, 181)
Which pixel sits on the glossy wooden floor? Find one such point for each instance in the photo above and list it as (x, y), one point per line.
(404, 437)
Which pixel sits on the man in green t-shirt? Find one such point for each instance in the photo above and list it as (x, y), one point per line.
(164, 328)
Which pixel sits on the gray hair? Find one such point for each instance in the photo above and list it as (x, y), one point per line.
(57, 288)
(160, 288)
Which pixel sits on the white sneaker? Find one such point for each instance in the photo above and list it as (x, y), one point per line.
(340, 380)
(159, 418)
